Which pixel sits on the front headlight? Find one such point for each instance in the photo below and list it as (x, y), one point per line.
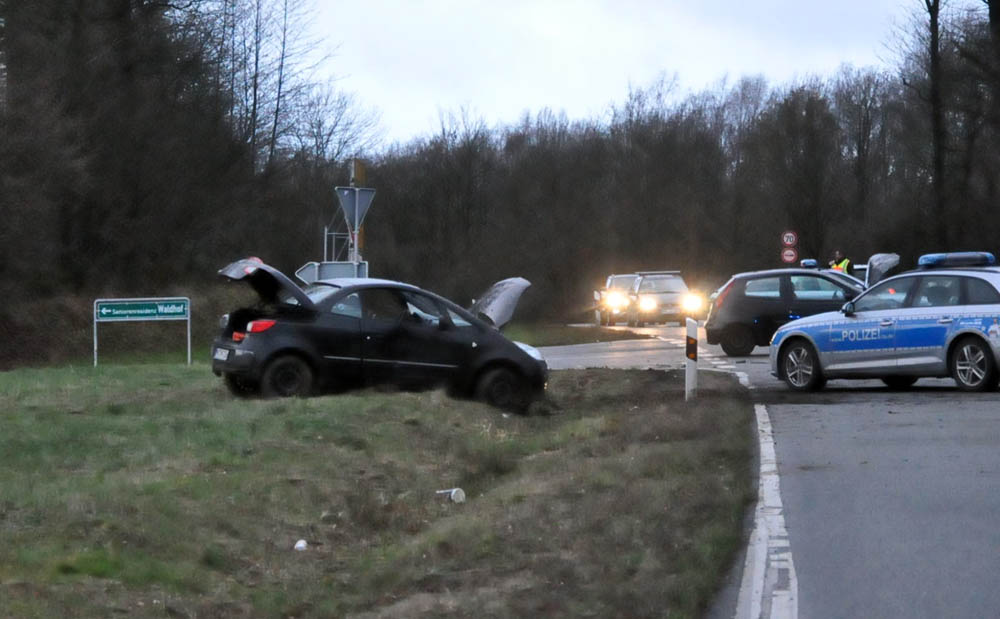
(692, 303)
(647, 304)
(615, 300)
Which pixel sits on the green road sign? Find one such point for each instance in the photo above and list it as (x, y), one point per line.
(132, 310)
(154, 309)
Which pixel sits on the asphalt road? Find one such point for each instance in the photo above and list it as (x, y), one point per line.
(890, 497)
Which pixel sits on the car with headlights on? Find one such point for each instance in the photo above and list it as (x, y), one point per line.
(747, 310)
(341, 333)
(662, 296)
(613, 300)
(940, 320)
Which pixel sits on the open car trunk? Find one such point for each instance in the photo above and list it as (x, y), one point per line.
(270, 284)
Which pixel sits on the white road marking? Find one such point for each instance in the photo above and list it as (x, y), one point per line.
(769, 588)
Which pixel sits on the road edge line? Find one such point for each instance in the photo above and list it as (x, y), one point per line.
(769, 587)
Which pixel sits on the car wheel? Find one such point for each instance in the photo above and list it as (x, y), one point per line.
(504, 389)
(287, 376)
(899, 382)
(800, 367)
(973, 366)
(738, 341)
(240, 387)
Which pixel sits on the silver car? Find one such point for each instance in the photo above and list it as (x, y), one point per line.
(942, 320)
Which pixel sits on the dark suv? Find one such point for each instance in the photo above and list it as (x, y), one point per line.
(750, 307)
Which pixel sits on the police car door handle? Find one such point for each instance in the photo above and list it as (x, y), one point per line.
(886, 323)
(945, 321)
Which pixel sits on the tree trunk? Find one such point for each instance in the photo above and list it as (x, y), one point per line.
(938, 229)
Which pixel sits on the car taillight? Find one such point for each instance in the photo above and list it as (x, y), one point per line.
(239, 336)
(256, 326)
(722, 295)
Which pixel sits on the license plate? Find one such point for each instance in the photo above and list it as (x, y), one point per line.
(221, 354)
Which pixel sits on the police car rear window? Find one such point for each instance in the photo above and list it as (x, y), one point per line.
(981, 292)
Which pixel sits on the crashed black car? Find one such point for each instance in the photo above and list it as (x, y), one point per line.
(342, 333)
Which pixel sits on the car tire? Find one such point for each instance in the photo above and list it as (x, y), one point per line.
(899, 382)
(799, 366)
(503, 388)
(240, 387)
(738, 341)
(287, 376)
(972, 365)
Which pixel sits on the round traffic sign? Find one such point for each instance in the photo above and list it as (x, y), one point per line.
(789, 238)
(789, 255)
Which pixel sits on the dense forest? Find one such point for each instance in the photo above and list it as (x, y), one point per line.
(146, 143)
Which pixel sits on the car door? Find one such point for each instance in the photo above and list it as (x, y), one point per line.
(338, 335)
(925, 325)
(407, 341)
(863, 342)
(764, 305)
(813, 294)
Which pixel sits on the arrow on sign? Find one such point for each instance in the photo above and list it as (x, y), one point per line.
(105, 311)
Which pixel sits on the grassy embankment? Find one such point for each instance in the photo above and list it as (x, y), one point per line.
(148, 490)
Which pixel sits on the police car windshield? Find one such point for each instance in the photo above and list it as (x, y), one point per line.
(662, 284)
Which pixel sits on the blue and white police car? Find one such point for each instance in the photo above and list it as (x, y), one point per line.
(941, 320)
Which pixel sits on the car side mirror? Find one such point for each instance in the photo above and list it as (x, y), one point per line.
(848, 309)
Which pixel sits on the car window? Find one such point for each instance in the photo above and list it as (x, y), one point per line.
(383, 304)
(421, 308)
(980, 292)
(763, 287)
(622, 282)
(319, 292)
(813, 288)
(457, 320)
(887, 295)
(348, 306)
(937, 291)
(662, 284)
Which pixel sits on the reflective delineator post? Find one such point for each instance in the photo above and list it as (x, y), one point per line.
(691, 365)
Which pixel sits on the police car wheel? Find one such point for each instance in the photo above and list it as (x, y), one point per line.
(899, 382)
(972, 365)
(800, 367)
(737, 341)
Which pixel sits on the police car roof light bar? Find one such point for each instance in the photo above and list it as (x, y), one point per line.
(809, 263)
(957, 259)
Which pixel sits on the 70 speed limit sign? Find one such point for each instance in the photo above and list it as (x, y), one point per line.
(789, 238)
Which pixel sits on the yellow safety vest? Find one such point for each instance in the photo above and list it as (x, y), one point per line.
(842, 265)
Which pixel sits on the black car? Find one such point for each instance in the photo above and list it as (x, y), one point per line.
(750, 307)
(342, 333)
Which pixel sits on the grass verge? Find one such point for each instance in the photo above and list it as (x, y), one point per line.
(147, 490)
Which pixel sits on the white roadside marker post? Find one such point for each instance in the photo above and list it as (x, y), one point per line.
(691, 365)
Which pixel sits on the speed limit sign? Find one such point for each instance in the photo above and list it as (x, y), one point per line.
(789, 238)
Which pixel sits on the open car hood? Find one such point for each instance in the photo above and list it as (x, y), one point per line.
(878, 266)
(271, 284)
(498, 303)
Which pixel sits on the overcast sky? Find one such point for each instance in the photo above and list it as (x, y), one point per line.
(413, 60)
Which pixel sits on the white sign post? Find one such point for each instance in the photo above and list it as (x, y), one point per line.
(132, 310)
(691, 365)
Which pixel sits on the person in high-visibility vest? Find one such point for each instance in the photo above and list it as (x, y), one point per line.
(841, 262)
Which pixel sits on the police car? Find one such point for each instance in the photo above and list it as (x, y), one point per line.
(940, 320)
